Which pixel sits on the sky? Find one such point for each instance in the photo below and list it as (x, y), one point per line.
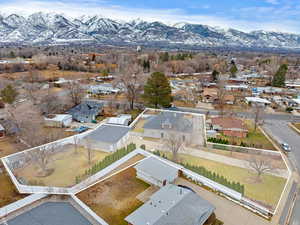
(245, 15)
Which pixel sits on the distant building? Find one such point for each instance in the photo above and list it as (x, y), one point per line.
(87, 111)
(105, 89)
(2, 131)
(58, 120)
(257, 101)
(210, 95)
(172, 205)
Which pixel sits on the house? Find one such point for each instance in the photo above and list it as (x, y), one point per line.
(229, 126)
(105, 88)
(58, 120)
(122, 119)
(156, 172)
(87, 111)
(229, 99)
(2, 131)
(257, 101)
(209, 95)
(296, 103)
(172, 205)
(189, 127)
(107, 138)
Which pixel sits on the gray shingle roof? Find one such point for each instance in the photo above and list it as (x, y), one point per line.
(156, 169)
(172, 205)
(169, 120)
(50, 213)
(86, 110)
(108, 133)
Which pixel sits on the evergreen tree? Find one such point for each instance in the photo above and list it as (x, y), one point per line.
(157, 91)
(9, 94)
(233, 70)
(279, 77)
(215, 75)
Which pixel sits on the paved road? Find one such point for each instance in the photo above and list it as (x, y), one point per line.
(280, 117)
(282, 132)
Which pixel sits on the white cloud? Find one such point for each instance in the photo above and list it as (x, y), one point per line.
(169, 16)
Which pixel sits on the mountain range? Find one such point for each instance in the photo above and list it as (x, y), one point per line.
(41, 28)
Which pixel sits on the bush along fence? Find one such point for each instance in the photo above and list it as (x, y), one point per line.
(210, 175)
(108, 160)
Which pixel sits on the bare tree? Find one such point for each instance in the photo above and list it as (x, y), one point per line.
(89, 150)
(174, 142)
(260, 166)
(76, 142)
(221, 96)
(132, 79)
(257, 115)
(76, 92)
(42, 158)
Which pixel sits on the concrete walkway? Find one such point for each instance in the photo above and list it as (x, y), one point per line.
(230, 161)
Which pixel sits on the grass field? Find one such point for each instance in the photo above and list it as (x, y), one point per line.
(67, 165)
(114, 199)
(139, 126)
(254, 138)
(268, 191)
(8, 192)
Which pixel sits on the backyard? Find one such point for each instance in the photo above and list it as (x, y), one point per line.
(8, 192)
(267, 191)
(8, 146)
(66, 166)
(139, 126)
(255, 138)
(115, 198)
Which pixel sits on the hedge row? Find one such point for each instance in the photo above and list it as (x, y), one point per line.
(218, 140)
(210, 175)
(108, 160)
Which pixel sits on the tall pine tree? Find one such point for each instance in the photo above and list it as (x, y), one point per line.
(157, 91)
(279, 77)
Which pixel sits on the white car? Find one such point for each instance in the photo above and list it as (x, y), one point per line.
(286, 147)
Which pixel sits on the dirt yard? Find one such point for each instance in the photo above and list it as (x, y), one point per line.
(8, 146)
(66, 166)
(8, 192)
(114, 199)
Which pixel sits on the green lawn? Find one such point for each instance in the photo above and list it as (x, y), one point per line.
(267, 191)
(254, 138)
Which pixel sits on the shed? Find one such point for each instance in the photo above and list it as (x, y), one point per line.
(122, 119)
(156, 172)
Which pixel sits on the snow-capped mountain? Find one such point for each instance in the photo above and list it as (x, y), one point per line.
(43, 28)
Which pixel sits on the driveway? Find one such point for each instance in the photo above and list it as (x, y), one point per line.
(227, 211)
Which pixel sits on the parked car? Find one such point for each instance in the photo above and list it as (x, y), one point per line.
(81, 129)
(286, 147)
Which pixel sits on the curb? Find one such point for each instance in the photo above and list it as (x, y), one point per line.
(294, 128)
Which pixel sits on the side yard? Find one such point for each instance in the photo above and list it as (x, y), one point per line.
(8, 192)
(267, 191)
(116, 197)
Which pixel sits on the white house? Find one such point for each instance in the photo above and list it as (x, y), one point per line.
(257, 101)
(58, 120)
(156, 172)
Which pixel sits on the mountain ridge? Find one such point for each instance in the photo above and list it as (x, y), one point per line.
(51, 28)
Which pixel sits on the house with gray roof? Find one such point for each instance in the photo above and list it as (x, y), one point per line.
(172, 205)
(107, 138)
(86, 111)
(156, 172)
(2, 131)
(185, 125)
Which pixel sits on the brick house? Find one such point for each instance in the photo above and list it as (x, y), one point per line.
(229, 126)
